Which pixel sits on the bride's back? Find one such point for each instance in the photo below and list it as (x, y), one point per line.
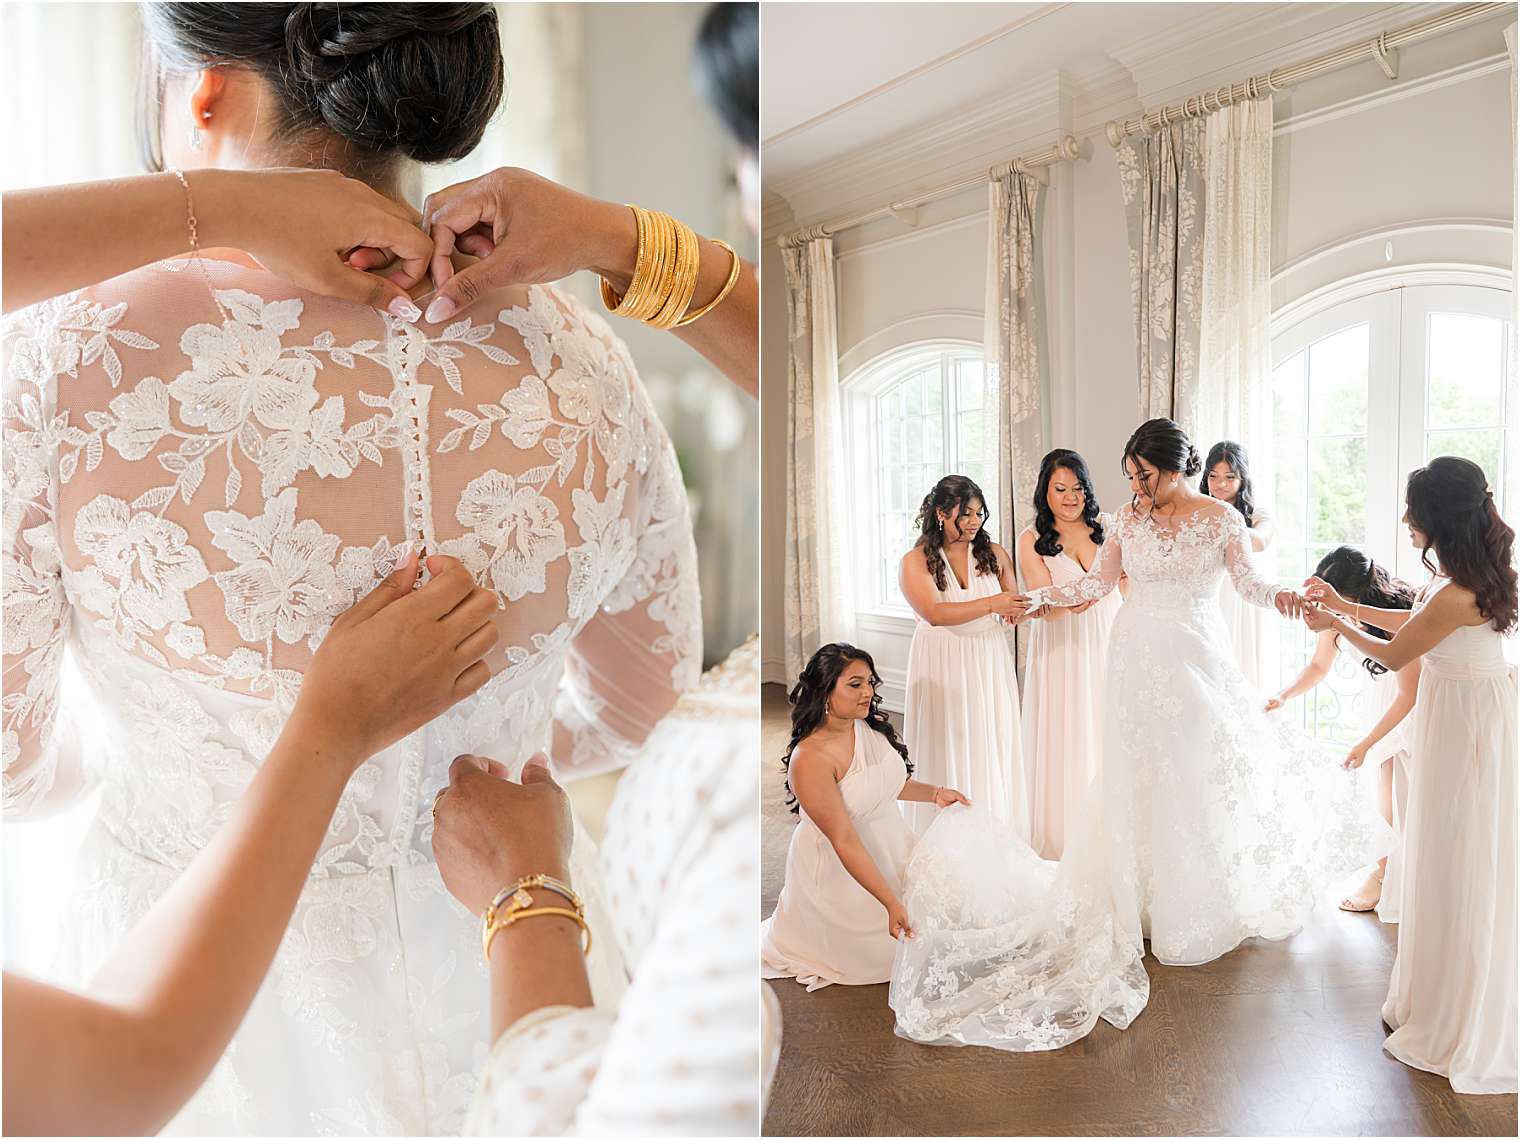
(209, 465)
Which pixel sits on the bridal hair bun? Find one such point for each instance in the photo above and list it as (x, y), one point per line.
(1165, 446)
(422, 79)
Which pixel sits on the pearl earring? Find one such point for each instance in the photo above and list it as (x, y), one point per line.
(197, 138)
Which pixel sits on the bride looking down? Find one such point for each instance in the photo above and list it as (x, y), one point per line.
(1209, 822)
(206, 465)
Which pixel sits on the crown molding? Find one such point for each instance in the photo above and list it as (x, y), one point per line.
(776, 216)
(952, 145)
(1226, 46)
(1462, 73)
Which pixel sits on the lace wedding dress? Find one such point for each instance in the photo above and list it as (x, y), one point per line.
(1209, 822)
(203, 467)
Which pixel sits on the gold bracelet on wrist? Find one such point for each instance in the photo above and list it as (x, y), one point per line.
(514, 903)
(665, 272)
(735, 265)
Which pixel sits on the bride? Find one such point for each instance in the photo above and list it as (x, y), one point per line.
(1208, 823)
(206, 464)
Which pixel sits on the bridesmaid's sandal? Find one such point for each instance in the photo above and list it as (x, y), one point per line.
(1367, 897)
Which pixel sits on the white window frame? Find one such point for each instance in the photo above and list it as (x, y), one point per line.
(864, 462)
(1396, 393)
(1397, 312)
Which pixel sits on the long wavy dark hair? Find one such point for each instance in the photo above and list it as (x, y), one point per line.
(1450, 503)
(809, 699)
(1047, 542)
(1234, 454)
(1165, 446)
(952, 494)
(1358, 578)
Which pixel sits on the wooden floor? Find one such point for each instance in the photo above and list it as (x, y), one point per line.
(1276, 1038)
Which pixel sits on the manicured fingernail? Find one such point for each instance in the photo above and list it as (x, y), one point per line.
(441, 309)
(403, 309)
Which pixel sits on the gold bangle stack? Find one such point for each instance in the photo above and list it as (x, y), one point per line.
(665, 274)
(513, 904)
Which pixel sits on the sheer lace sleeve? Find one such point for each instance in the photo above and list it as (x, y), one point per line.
(40, 764)
(629, 664)
(1094, 585)
(1237, 562)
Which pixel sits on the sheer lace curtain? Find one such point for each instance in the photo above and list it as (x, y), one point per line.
(1015, 346)
(818, 606)
(1235, 359)
(1162, 178)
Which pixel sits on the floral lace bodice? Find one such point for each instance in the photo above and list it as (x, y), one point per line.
(1169, 564)
(195, 488)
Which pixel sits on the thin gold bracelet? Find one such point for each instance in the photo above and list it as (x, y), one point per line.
(195, 242)
(728, 286)
(516, 916)
(514, 901)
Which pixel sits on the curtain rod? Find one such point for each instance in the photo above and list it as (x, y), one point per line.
(1382, 49)
(906, 210)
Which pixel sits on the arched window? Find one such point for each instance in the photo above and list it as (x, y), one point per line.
(1364, 391)
(911, 417)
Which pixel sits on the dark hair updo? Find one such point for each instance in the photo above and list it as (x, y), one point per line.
(419, 80)
(951, 495)
(1047, 541)
(1450, 503)
(728, 68)
(809, 699)
(1358, 578)
(1233, 454)
(1165, 446)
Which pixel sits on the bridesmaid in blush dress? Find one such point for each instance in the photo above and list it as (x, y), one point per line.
(1227, 477)
(1452, 996)
(962, 713)
(841, 910)
(1068, 649)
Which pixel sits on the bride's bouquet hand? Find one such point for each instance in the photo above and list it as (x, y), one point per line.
(897, 921)
(396, 660)
(945, 796)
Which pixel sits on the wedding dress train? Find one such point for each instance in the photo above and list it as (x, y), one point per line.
(1209, 823)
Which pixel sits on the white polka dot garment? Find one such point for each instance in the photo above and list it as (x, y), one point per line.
(680, 1053)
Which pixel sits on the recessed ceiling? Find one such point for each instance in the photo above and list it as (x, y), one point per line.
(838, 76)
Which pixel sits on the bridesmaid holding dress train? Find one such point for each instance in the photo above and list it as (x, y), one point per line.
(1068, 649)
(1452, 996)
(962, 710)
(841, 909)
(1253, 631)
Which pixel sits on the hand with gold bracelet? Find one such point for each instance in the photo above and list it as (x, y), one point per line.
(489, 832)
(528, 230)
(123, 1057)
